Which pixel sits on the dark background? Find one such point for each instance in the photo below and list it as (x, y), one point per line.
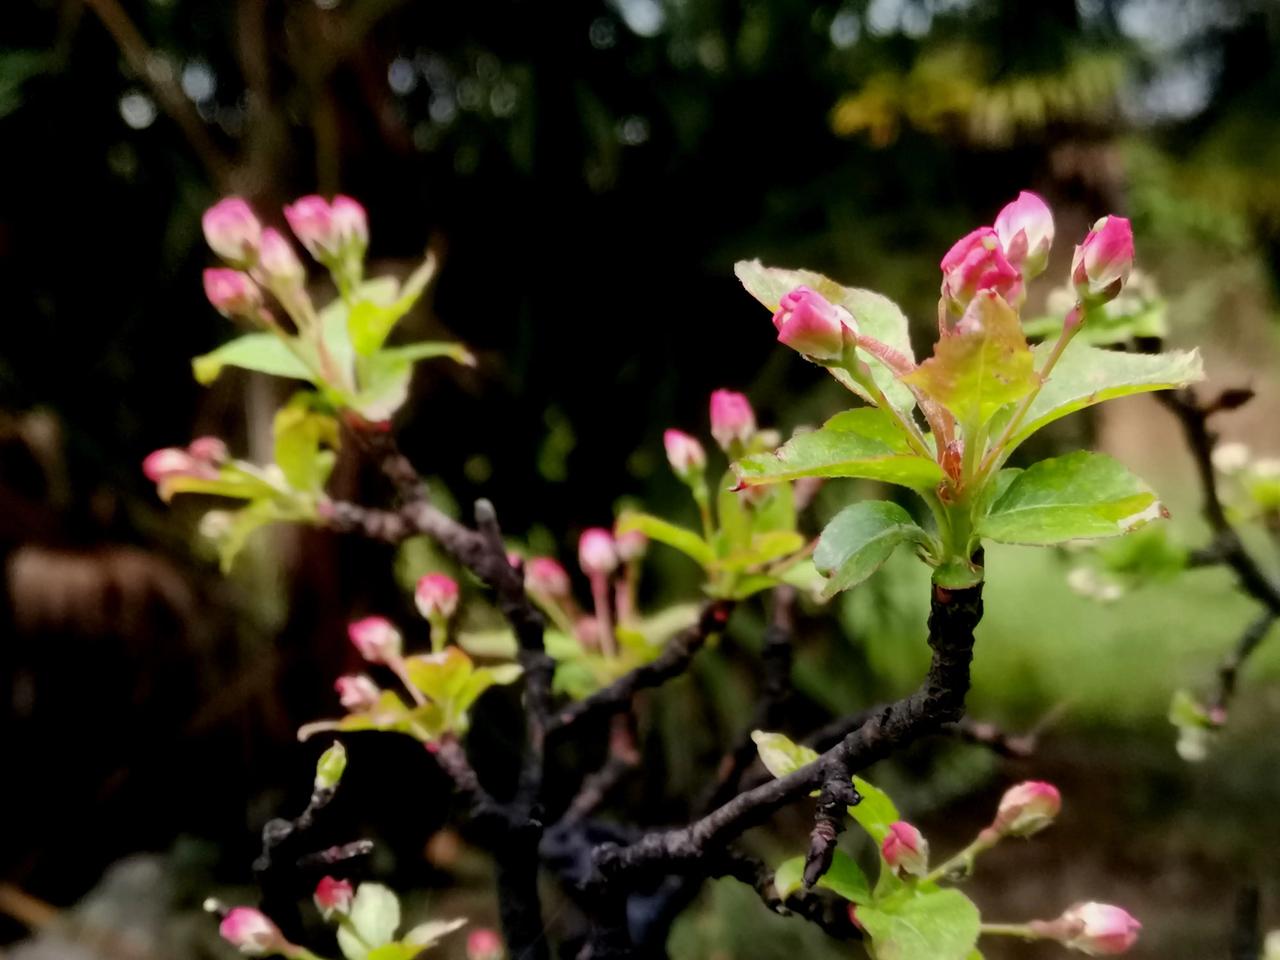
(589, 171)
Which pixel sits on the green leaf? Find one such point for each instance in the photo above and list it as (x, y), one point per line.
(244, 523)
(877, 316)
(380, 304)
(430, 933)
(859, 539)
(1086, 375)
(393, 951)
(856, 443)
(763, 549)
(844, 878)
(875, 812)
(1080, 496)
(974, 374)
(374, 919)
(655, 528)
(932, 925)
(264, 352)
(300, 435)
(780, 755)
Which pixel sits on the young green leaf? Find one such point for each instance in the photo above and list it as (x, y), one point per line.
(374, 919)
(875, 812)
(655, 528)
(975, 372)
(859, 539)
(1079, 496)
(780, 755)
(844, 878)
(380, 304)
(263, 352)
(1086, 375)
(301, 434)
(430, 933)
(922, 925)
(877, 316)
(856, 443)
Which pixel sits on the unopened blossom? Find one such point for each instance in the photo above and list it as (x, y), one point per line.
(351, 222)
(810, 324)
(169, 462)
(1025, 229)
(277, 261)
(376, 638)
(232, 231)
(327, 230)
(208, 449)
(546, 576)
(732, 418)
(1027, 808)
(1103, 260)
(977, 262)
(334, 897)
(684, 453)
(905, 848)
(1099, 929)
(357, 692)
(251, 932)
(485, 944)
(630, 544)
(232, 292)
(436, 596)
(331, 766)
(597, 552)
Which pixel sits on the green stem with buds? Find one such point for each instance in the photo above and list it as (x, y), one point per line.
(964, 860)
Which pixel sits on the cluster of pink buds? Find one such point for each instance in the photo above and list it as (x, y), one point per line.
(201, 459)
(333, 897)
(377, 639)
(330, 232)
(485, 944)
(810, 324)
(1095, 929)
(905, 849)
(999, 258)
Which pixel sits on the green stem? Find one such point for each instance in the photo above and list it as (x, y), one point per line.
(962, 860)
(702, 497)
(1008, 930)
(398, 668)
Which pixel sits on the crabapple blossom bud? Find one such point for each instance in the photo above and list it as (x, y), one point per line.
(350, 222)
(1025, 229)
(168, 462)
(357, 692)
(545, 575)
(208, 449)
(684, 453)
(334, 897)
(376, 638)
(1099, 929)
(597, 553)
(232, 231)
(251, 932)
(977, 262)
(484, 944)
(311, 220)
(331, 766)
(905, 848)
(232, 293)
(1027, 808)
(1103, 260)
(630, 544)
(280, 266)
(732, 419)
(436, 596)
(810, 324)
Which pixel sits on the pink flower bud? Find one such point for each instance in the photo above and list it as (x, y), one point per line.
(351, 222)
(1103, 260)
(977, 262)
(357, 692)
(334, 897)
(484, 944)
(280, 266)
(1099, 929)
(311, 220)
(810, 324)
(208, 449)
(250, 932)
(169, 462)
(732, 419)
(232, 231)
(630, 545)
(905, 848)
(684, 453)
(232, 293)
(376, 638)
(436, 596)
(1025, 229)
(1027, 808)
(546, 576)
(596, 552)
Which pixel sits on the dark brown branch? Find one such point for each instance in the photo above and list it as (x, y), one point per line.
(831, 914)
(838, 794)
(983, 733)
(622, 758)
(672, 662)
(1229, 669)
(938, 701)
